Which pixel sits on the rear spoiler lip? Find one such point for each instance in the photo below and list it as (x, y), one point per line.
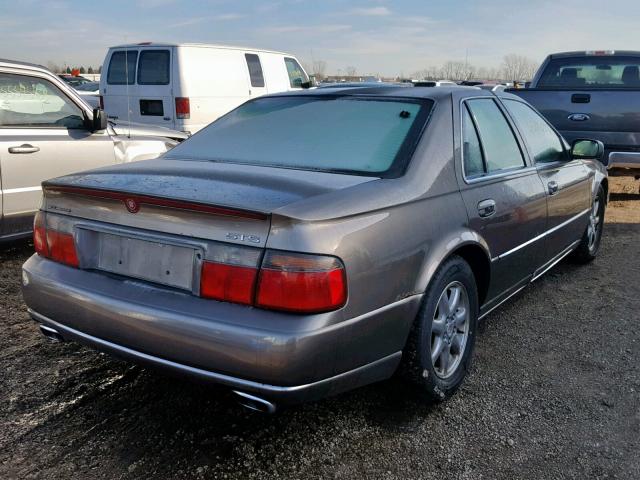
(145, 199)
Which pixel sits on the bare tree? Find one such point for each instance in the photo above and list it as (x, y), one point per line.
(518, 67)
(319, 69)
(351, 71)
(54, 67)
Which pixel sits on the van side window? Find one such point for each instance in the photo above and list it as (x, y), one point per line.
(153, 67)
(296, 74)
(544, 144)
(471, 150)
(122, 72)
(498, 140)
(34, 102)
(255, 69)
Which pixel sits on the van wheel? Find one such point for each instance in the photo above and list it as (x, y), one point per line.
(440, 346)
(590, 244)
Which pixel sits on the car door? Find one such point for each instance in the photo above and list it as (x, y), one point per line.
(503, 194)
(118, 84)
(153, 102)
(567, 181)
(43, 134)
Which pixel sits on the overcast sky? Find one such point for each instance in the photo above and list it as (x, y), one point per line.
(382, 37)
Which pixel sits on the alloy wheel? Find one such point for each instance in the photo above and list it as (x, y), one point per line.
(450, 329)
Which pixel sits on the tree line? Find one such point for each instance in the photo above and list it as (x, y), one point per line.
(57, 68)
(513, 67)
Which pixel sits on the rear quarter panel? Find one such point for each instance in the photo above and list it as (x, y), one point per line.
(391, 234)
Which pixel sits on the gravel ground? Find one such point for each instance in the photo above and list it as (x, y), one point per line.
(554, 393)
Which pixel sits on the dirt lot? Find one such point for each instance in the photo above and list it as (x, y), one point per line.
(555, 393)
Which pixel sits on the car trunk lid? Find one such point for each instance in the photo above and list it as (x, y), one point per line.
(209, 200)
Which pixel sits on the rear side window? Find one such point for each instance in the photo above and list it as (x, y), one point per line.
(296, 74)
(255, 69)
(471, 150)
(592, 71)
(544, 144)
(154, 67)
(122, 67)
(498, 141)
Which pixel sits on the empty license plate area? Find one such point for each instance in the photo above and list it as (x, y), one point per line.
(157, 262)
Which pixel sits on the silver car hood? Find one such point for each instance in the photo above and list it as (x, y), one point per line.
(142, 130)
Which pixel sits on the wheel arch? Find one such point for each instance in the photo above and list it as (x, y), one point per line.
(480, 264)
(472, 248)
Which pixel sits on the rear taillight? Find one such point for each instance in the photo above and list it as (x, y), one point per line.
(40, 235)
(62, 247)
(229, 283)
(54, 244)
(229, 273)
(301, 283)
(183, 108)
(101, 102)
(284, 281)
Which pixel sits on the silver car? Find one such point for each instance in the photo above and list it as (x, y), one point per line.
(48, 130)
(307, 244)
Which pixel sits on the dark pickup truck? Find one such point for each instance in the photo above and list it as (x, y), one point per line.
(593, 95)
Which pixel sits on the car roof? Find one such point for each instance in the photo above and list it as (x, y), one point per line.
(197, 45)
(395, 91)
(16, 63)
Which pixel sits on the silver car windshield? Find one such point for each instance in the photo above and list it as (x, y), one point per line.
(363, 135)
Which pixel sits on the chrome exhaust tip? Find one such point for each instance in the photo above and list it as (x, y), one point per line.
(254, 403)
(51, 333)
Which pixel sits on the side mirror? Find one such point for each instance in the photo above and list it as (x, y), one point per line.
(587, 150)
(99, 120)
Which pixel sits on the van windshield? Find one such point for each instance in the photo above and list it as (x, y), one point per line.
(363, 135)
(592, 72)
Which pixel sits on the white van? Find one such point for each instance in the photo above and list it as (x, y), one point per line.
(186, 86)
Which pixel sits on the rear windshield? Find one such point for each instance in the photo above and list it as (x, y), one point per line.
(153, 67)
(592, 72)
(363, 135)
(122, 72)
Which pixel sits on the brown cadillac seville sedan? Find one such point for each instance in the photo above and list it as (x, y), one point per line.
(310, 243)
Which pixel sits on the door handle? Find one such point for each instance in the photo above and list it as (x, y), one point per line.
(486, 208)
(24, 148)
(553, 187)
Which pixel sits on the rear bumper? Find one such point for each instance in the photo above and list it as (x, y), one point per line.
(282, 357)
(372, 372)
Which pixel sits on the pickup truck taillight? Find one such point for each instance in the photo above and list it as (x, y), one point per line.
(52, 243)
(101, 102)
(285, 281)
(183, 108)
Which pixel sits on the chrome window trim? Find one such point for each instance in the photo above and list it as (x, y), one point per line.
(516, 135)
(541, 236)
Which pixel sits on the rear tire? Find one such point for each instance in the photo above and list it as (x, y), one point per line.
(590, 244)
(439, 349)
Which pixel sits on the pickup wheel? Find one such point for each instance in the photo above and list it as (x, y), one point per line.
(438, 353)
(590, 244)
